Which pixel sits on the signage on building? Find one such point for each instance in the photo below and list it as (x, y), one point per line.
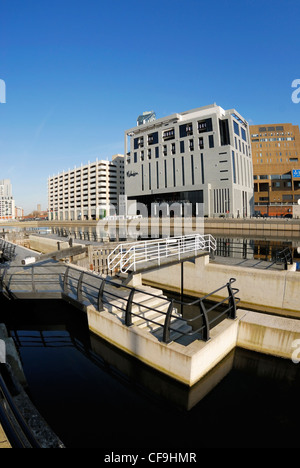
(296, 173)
(131, 173)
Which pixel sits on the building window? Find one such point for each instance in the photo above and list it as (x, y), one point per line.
(205, 125)
(149, 153)
(157, 152)
(233, 168)
(243, 133)
(202, 168)
(165, 150)
(173, 151)
(182, 147)
(185, 130)
(174, 173)
(201, 143)
(166, 175)
(236, 128)
(191, 145)
(211, 141)
(169, 134)
(182, 170)
(153, 138)
(135, 157)
(192, 167)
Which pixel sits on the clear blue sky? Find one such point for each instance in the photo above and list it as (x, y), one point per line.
(78, 73)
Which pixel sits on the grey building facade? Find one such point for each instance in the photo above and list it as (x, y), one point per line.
(201, 156)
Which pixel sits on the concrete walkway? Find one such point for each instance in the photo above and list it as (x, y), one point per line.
(247, 263)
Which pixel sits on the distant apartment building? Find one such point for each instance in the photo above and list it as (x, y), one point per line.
(201, 156)
(7, 203)
(88, 192)
(19, 212)
(276, 168)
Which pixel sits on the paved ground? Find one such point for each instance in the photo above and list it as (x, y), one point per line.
(255, 263)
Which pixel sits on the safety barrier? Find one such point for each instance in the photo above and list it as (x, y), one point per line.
(129, 256)
(107, 294)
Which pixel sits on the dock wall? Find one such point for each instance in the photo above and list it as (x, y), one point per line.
(264, 290)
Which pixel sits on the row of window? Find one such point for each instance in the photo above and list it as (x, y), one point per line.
(171, 149)
(178, 177)
(274, 139)
(270, 160)
(169, 134)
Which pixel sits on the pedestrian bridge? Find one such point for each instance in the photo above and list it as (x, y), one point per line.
(144, 255)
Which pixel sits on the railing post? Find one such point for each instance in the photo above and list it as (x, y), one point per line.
(79, 288)
(166, 334)
(128, 317)
(66, 289)
(205, 321)
(100, 296)
(231, 302)
(32, 279)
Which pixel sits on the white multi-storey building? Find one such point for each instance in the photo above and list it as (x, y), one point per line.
(201, 156)
(88, 192)
(7, 203)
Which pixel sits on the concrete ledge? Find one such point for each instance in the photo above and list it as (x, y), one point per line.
(268, 334)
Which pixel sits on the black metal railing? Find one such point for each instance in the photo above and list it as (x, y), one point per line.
(15, 427)
(284, 257)
(106, 294)
(8, 250)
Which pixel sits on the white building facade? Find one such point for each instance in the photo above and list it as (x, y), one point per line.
(89, 192)
(202, 156)
(7, 203)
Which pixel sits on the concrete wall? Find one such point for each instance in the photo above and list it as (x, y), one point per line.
(270, 291)
(278, 336)
(46, 245)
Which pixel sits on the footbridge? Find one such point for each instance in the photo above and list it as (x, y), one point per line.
(145, 255)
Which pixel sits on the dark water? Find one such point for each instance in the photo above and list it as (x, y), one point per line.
(94, 396)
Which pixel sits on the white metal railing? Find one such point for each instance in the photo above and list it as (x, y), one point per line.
(128, 256)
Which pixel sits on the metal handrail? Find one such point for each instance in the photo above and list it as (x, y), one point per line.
(128, 255)
(23, 437)
(102, 295)
(284, 257)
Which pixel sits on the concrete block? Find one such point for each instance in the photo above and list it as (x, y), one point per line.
(277, 336)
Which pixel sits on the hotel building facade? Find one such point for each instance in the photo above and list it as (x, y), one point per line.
(7, 203)
(201, 156)
(276, 168)
(89, 192)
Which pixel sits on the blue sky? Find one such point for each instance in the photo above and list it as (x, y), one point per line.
(78, 73)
